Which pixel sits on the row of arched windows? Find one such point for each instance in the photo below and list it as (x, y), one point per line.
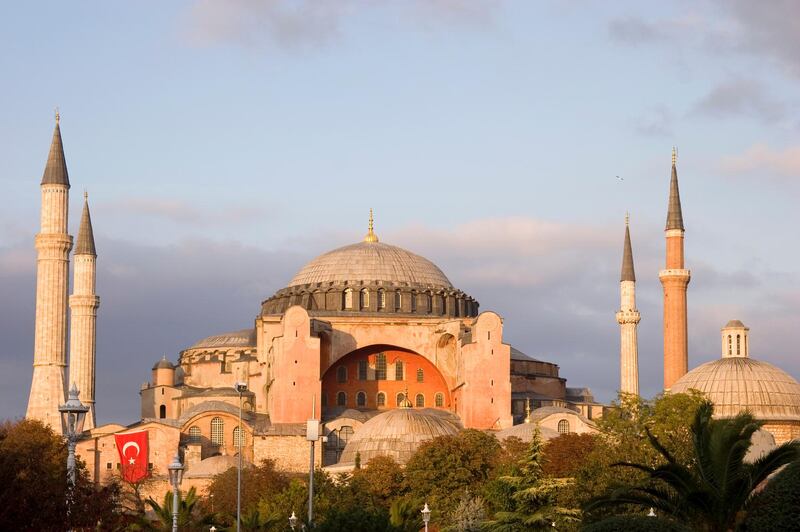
(380, 370)
(363, 300)
(738, 344)
(217, 434)
(380, 399)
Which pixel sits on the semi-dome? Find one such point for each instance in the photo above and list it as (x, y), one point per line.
(398, 433)
(371, 261)
(240, 338)
(736, 382)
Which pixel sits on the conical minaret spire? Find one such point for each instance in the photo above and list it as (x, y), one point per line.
(83, 304)
(53, 244)
(628, 318)
(675, 280)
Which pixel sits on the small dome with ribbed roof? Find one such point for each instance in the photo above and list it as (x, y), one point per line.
(398, 433)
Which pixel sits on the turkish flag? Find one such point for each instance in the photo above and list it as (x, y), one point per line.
(133, 453)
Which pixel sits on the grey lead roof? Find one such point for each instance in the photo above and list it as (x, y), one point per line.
(674, 214)
(627, 258)
(55, 172)
(85, 244)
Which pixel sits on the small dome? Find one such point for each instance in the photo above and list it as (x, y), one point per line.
(163, 364)
(735, 323)
(371, 261)
(524, 431)
(241, 338)
(398, 433)
(734, 384)
(213, 465)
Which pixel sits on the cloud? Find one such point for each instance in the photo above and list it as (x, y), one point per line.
(635, 31)
(179, 211)
(656, 122)
(761, 159)
(768, 30)
(309, 24)
(555, 284)
(740, 97)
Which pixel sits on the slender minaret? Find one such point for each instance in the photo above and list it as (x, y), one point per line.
(48, 388)
(83, 305)
(628, 318)
(675, 279)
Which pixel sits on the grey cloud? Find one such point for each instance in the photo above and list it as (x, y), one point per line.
(179, 211)
(305, 24)
(556, 285)
(635, 31)
(740, 97)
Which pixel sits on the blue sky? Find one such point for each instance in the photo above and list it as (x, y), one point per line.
(225, 144)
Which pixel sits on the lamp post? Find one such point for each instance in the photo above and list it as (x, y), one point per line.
(241, 387)
(652, 512)
(73, 414)
(426, 516)
(175, 478)
(312, 435)
(292, 520)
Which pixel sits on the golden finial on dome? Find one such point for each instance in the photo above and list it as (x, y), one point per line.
(371, 236)
(674, 155)
(405, 403)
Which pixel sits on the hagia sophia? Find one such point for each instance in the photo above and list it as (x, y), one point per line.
(371, 339)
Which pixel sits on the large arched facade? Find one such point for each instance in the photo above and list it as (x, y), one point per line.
(377, 377)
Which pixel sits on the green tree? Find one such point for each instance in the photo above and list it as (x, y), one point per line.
(564, 454)
(713, 491)
(443, 468)
(777, 507)
(532, 496)
(33, 483)
(188, 515)
(263, 481)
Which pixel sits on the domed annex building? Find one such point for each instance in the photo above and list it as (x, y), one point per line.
(371, 339)
(737, 382)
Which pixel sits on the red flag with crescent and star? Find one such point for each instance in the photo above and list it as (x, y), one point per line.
(132, 447)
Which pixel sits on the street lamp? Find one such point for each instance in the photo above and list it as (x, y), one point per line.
(241, 387)
(292, 520)
(426, 516)
(175, 478)
(652, 512)
(73, 414)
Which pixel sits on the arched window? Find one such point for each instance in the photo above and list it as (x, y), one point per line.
(345, 433)
(398, 370)
(363, 299)
(380, 399)
(162, 411)
(347, 296)
(419, 401)
(341, 374)
(361, 399)
(380, 367)
(217, 431)
(439, 400)
(400, 397)
(194, 435)
(341, 399)
(398, 301)
(563, 427)
(362, 370)
(413, 301)
(730, 347)
(429, 302)
(238, 439)
(738, 344)
(420, 375)
(444, 304)
(381, 299)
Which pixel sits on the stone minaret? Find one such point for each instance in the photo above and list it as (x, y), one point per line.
(674, 279)
(53, 245)
(83, 305)
(628, 318)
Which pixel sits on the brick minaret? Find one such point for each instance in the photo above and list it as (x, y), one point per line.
(628, 318)
(53, 245)
(674, 279)
(83, 305)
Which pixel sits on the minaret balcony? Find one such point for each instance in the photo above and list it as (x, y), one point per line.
(628, 316)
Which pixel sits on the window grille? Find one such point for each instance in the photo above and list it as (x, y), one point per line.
(381, 399)
(238, 438)
(420, 401)
(217, 431)
(398, 370)
(362, 370)
(420, 375)
(194, 435)
(563, 427)
(341, 399)
(361, 399)
(439, 398)
(380, 366)
(364, 299)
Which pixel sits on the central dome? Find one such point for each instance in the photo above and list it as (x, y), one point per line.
(371, 261)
